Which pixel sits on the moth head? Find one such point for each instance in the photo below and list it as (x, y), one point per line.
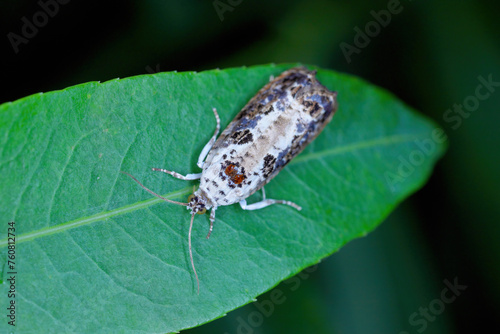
(197, 203)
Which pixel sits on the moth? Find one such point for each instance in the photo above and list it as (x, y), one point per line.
(273, 127)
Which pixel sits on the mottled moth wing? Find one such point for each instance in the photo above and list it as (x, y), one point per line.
(273, 127)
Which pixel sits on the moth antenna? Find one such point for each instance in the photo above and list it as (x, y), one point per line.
(152, 192)
(191, 252)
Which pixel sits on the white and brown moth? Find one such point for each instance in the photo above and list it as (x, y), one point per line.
(274, 126)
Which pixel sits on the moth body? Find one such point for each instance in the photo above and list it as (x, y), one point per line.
(274, 127)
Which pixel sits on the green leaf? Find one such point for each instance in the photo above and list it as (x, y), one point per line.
(95, 253)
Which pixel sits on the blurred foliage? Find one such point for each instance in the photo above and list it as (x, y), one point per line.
(431, 55)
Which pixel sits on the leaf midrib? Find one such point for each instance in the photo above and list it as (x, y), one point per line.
(381, 141)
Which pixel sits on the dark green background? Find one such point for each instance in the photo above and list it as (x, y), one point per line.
(431, 55)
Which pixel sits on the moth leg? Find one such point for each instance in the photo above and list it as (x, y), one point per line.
(202, 156)
(211, 142)
(263, 194)
(177, 175)
(212, 219)
(262, 204)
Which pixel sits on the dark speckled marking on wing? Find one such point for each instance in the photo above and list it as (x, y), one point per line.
(272, 128)
(307, 90)
(320, 106)
(316, 100)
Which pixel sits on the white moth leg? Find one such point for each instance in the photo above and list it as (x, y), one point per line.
(212, 219)
(177, 175)
(263, 194)
(262, 204)
(211, 142)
